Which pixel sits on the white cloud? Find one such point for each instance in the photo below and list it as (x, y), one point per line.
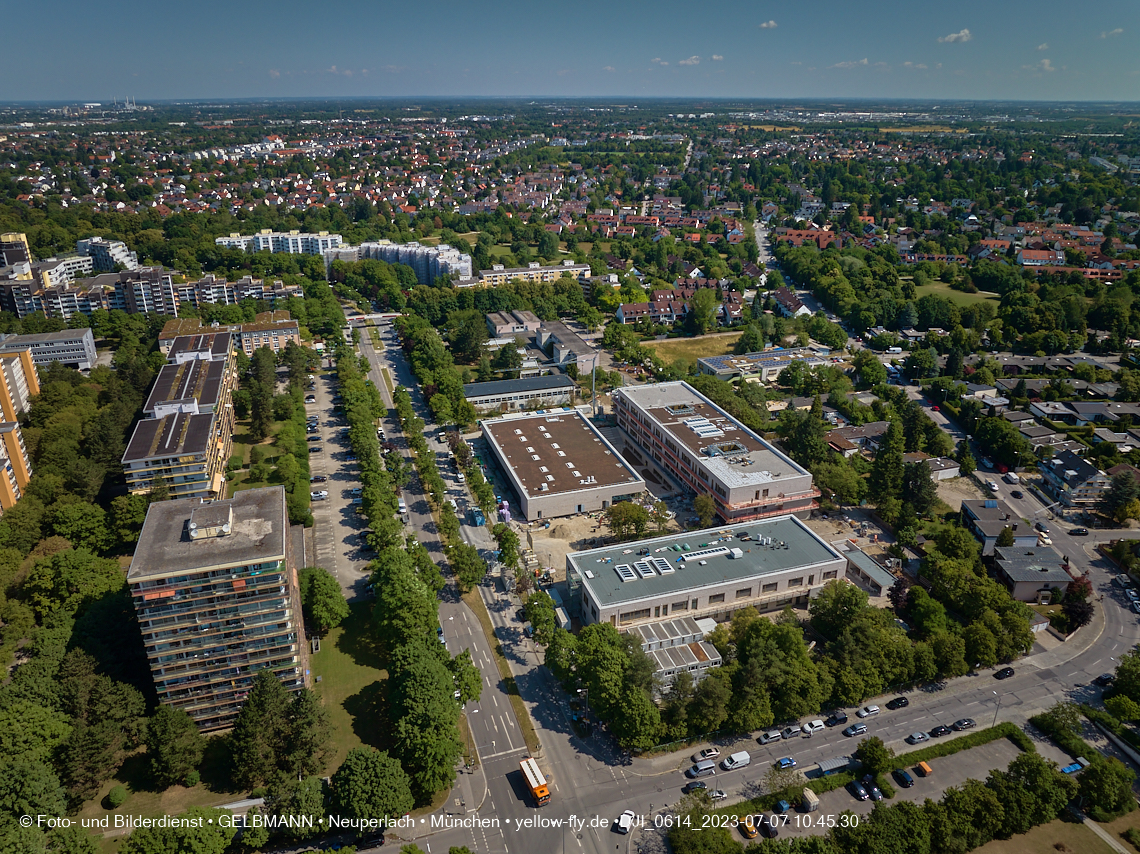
(919, 65)
(1043, 46)
(852, 64)
(1044, 66)
(716, 57)
(963, 36)
(692, 60)
(609, 68)
(1110, 33)
(273, 72)
(768, 25)
(658, 61)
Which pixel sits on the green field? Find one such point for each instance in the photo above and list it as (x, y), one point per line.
(694, 348)
(352, 684)
(957, 297)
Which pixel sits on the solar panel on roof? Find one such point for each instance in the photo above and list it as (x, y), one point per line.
(625, 572)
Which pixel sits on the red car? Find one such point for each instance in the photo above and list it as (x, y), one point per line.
(935, 408)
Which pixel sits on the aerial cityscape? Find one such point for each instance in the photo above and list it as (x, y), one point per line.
(735, 450)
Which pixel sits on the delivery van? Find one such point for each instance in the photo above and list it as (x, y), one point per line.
(737, 760)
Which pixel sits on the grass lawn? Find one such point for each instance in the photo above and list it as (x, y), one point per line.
(1122, 824)
(1056, 836)
(694, 348)
(243, 443)
(956, 297)
(352, 684)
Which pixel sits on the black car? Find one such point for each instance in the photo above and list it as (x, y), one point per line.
(1104, 680)
(903, 778)
(695, 786)
(939, 731)
(318, 478)
(1016, 493)
(964, 723)
(316, 449)
(857, 791)
(836, 719)
(1004, 673)
(314, 438)
(769, 828)
(1079, 532)
(898, 703)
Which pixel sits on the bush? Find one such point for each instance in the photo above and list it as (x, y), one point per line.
(192, 780)
(1133, 836)
(965, 742)
(116, 797)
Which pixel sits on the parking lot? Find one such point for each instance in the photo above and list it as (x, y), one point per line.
(337, 526)
(975, 763)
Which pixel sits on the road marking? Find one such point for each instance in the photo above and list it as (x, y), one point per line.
(487, 756)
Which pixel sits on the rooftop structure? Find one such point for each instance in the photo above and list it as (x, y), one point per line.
(766, 365)
(508, 324)
(1030, 573)
(206, 383)
(678, 646)
(215, 590)
(559, 463)
(986, 518)
(566, 346)
(1073, 481)
(526, 393)
(765, 564)
(204, 346)
(712, 453)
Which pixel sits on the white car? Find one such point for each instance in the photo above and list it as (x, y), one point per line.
(992, 485)
(319, 495)
(868, 711)
(625, 822)
(812, 727)
(459, 476)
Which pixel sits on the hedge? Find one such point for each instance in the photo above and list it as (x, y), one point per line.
(965, 742)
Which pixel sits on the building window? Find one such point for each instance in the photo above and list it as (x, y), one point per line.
(768, 588)
(796, 582)
(683, 605)
(657, 611)
(716, 598)
(744, 593)
(631, 616)
(827, 576)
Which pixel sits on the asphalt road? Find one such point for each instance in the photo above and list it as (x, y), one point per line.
(591, 782)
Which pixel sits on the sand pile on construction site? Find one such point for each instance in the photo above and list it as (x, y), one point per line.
(559, 532)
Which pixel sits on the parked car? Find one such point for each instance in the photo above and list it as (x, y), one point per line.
(1079, 532)
(917, 738)
(791, 732)
(315, 438)
(316, 449)
(769, 826)
(812, 727)
(992, 486)
(1135, 607)
(707, 753)
(962, 724)
(786, 763)
(318, 478)
(1016, 493)
(874, 791)
(1132, 594)
(855, 729)
(718, 795)
(310, 398)
(857, 790)
(695, 786)
(867, 712)
(1004, 673)
(939, 731)
(319, 495)
(903, 778)
(1105, 679)
(750, 826)
(898, 703)
(836, 718)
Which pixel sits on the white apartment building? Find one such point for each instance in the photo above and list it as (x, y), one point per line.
(292, 243)
(106, 254)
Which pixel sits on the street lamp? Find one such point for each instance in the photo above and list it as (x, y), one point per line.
(998, 709)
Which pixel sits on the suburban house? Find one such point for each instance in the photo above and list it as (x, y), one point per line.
(788, 304)
(850, 440)
(1073, 481)
(1031, 574)
(987, 517)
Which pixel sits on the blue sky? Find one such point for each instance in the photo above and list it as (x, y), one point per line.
(999, 49)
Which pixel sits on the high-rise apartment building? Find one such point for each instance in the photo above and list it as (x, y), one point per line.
(14, 249)
(215, 590)
(428, 262)
(15, 466)
(19, 381)
(293, 242)
(186, 438)
(107, 255)
(73, 348)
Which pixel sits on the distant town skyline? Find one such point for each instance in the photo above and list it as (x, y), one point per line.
(965, 50)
